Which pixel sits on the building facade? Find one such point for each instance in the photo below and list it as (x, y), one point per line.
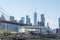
(35, 29)
(28, 20)
(21, 20)
(35, 18)
(12, 27)
(59, 23)
(3, 25)
(42, 20)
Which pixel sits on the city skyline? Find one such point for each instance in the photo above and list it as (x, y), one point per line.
(19, 8)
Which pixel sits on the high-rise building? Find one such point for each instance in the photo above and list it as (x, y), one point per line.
(35, 18)
(27, 20)
(15, 27)
(43, 19)
(11, 18)
(59, 23)
(3, 25)
(48, 28)
(3, 18)
(21, 20)
(58, 30)
(12, 27)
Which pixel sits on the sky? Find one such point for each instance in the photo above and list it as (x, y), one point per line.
(21, 8)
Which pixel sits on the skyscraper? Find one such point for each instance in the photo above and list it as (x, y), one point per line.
(12, 27)
(3, 25)
(27, 20)
(58, 29)
(21, 20)
(59, 23)
(35, 18)
(15, 27)
(48, 28)
(43, 19)
(3, 18)
(11, 18)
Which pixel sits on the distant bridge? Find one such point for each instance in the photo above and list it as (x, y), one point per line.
(11, 22)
